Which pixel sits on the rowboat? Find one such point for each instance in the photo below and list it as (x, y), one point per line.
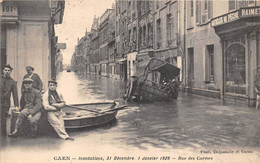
(78, 116)
(88, 115)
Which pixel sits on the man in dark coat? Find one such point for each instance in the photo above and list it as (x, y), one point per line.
(37, 82)
(31, 104)
(8, 86)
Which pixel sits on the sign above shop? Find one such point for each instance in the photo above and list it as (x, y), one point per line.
(235, 15)
(250, 12)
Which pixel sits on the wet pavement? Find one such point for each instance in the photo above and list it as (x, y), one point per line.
(191, 124)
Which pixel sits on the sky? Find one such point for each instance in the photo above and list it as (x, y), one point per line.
(78, 16)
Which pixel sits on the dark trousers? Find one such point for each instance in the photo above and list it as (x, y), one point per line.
(23, 115)
(5, 105)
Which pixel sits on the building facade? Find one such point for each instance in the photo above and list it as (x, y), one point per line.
(21, 21)
(214, 43)
(222, 49)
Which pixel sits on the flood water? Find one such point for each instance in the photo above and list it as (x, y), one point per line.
(191, 123)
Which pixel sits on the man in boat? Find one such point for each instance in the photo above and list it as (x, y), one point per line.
(257, 87)
(8, 87)
(31, 104)
(37, 82)
(52, 103)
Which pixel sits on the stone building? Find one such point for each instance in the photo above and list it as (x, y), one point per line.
(222, 49)
(106, 30)
(21, 22)
(121, 38)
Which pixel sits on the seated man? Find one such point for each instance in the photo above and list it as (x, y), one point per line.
(31, 104)
(53, 102)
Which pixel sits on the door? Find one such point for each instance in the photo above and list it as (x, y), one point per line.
(190, 67)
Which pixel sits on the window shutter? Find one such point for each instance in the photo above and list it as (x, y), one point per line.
(210, 9)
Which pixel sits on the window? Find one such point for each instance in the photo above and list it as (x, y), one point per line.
(204, 11)
(209, 63)
(134, 35)
(129, 36)
(235, 70)
(169, 29)
(150, 34)
(140, 35)
(158, 33)
(236, 4)
(144, 35)
(206, 5)
(232, 4)
(191, 8)
(198, 11)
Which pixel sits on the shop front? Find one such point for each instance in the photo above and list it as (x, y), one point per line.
(239, 34)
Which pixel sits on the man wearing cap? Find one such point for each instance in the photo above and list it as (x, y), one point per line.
(52, 103)
(8, 86)
(37, 82)
(31, 104)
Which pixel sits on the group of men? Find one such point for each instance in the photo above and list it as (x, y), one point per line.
(32, 103)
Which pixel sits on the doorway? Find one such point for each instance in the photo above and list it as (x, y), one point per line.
(190, 67)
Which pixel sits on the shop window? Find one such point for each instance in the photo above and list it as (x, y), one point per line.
(235, 69)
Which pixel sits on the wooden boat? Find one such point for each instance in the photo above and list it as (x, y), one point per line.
(78, 116)
(144, 86)
(87, 115)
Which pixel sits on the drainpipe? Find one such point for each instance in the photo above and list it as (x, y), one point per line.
(184, 71)
(223, 69)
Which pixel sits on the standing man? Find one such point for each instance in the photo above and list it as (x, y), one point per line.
(37, 82)
(31, 104)
(257, 87)
(53, 102)
(8, 86)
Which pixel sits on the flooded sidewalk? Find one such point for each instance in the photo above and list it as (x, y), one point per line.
(190, 124)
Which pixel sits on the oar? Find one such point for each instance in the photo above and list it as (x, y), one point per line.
(95, 103)
(118, 108)
(83, 109)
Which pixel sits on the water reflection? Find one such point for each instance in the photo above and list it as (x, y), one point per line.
(189, 122)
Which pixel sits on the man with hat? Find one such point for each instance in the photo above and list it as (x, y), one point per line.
(37, 82)
(53, 102)
(31, 104)
(8, 86)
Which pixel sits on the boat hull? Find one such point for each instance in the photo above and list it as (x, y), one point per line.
(76, 116)
(82, 122)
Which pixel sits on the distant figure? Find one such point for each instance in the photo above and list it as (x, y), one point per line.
(8, 86)
(53, 102)
(257, 87)
(31, 104)
(37, 82)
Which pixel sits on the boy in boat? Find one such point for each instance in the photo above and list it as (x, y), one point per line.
(31, 104)
(8, 87)
(37, 82)
(52, 103)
